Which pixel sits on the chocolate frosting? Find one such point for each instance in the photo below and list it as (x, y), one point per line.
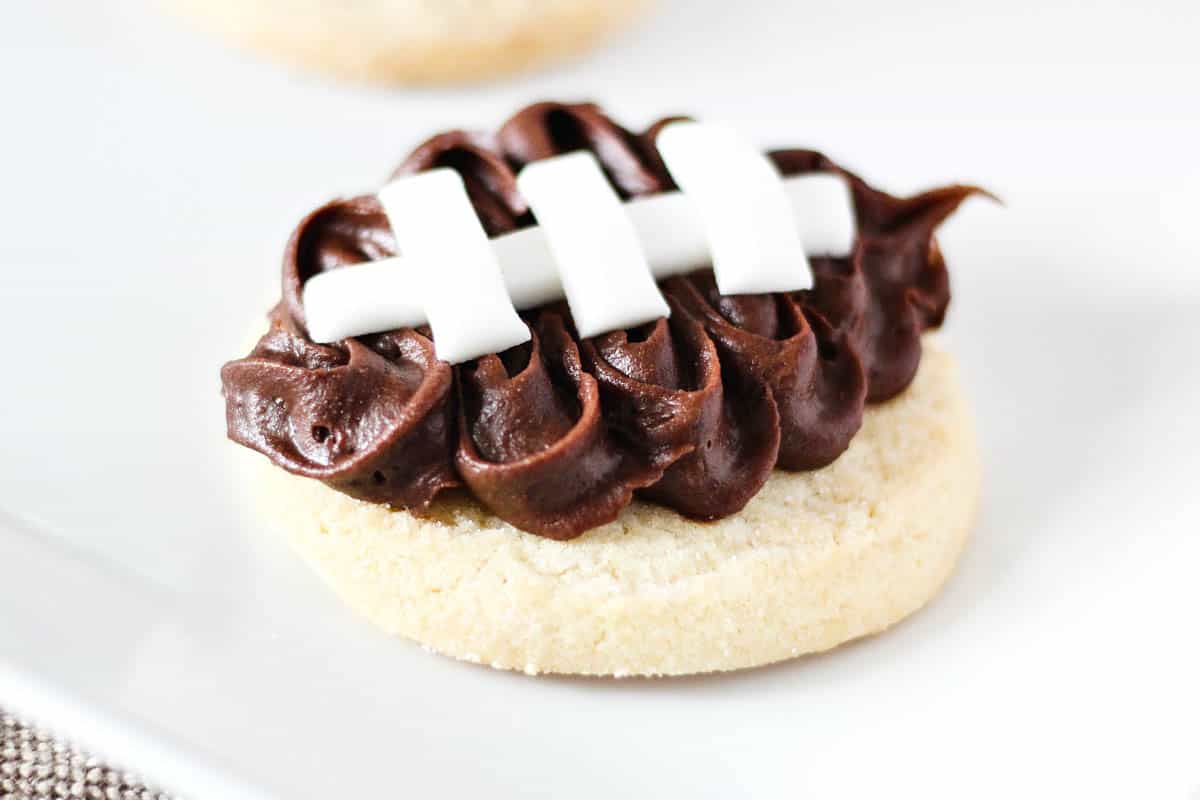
(557, 435)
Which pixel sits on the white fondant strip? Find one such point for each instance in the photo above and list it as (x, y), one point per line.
(452, 266)
(823, 210)
(364, 298)
(604, 273)
(384, 295)
(739, 195)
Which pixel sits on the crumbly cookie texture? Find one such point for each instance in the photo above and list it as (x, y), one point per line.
(413, 41)
(816, 559)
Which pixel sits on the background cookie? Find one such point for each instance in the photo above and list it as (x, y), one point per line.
(814, 560)
(413, 40)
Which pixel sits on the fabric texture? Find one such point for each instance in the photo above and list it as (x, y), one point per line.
(35, 765)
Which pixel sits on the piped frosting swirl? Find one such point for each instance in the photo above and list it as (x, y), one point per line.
(556, 436)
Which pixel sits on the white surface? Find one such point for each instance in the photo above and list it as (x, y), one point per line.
(453, 267)
(150, 182)
(599, 259)
(750, 225)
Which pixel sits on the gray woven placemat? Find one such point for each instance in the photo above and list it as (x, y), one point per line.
(34, 765)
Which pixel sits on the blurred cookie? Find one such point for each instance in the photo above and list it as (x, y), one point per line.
(414, 41)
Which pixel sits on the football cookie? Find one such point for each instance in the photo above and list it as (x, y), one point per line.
(568, 398)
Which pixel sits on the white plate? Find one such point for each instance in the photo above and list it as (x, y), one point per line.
(149, 180)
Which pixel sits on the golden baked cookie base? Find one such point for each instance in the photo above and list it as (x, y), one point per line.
(816, 559)
(413, 41)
